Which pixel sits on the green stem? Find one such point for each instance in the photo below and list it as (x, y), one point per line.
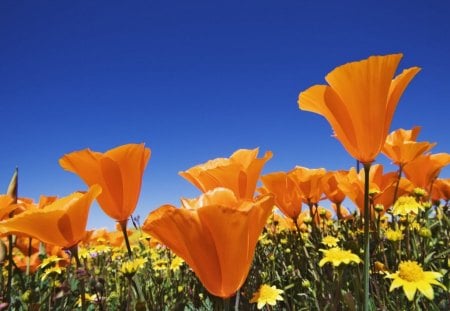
(81, 285)
(13, 192)
(226, 304)
(123, 226)
(366, 236)
(10, 268)
(400, 170)
(29, 256)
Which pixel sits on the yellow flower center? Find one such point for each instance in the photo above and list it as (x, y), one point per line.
(410, 271)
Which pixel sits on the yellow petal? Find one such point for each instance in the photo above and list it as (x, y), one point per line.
(426, 289)
(410, 290)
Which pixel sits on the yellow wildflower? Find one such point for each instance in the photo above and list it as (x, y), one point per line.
(160, 264)
(266, 295)
(420, 192)
(330, 241)
(411, 277)
(52, 270)
(176, 263)
(129, 268)
(50, 260)
(406, 205)
(394, 235)
(117, 253)
(100, 249)
(264, 239)
(83, 253)
(336, 256)
(425, 232)
(88, 298)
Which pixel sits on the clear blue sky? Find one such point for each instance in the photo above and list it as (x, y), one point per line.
(196, 80)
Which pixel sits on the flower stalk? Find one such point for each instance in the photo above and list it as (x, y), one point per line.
(123, 227)
(366, 236)
(13, 192)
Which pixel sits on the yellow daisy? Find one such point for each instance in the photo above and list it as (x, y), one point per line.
(50, 260)
(330, 241)
(176, 263)
(267, 295)
(411, 277)
(52, 270)
(129, 268)
(394, 235)
(336, 256)
(406, 205)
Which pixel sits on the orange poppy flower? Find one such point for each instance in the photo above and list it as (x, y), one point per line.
(27, 245)
(359, 102)
(240, 173)
(398, 136)
(61, 223)
(31, 262)
(309, 182)
(118, 171)
(425, 169)
(216, 236)
(288, 197)
(441, 189)
(330, 186)
(400, 146)
(342, 211)
(381, 187)
(46, 200)
(6, 206)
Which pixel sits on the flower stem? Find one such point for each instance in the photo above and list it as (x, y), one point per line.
(123, 226)
(13, 192)
(400, 171)
(366, 236)
(74, 252)
(226, 304)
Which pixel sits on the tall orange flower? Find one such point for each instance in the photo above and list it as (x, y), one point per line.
(330, 186)
(441, 189)
(359, 102)
(118, 171)
(426, 168)
(309, 181)
(332, 191)
(240, 173)
(215, 234)
(401, 146)
(45, 200)
(288, 197)
(6, 206)
(61, 223)
(381, 187)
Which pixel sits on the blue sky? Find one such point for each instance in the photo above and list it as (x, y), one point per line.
(196, 80)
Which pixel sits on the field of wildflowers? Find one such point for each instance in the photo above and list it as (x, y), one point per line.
(249, 241)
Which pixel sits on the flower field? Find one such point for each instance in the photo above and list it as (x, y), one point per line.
(276, 241)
